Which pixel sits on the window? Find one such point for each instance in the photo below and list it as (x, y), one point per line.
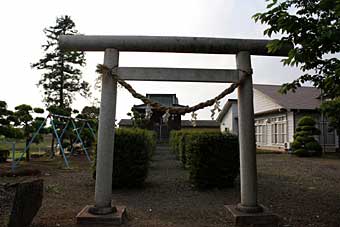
(279, 130)
(327, 136)
(260, 131)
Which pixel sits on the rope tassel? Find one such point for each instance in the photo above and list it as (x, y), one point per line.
(166, 116)
(194, 119)
(148, 112)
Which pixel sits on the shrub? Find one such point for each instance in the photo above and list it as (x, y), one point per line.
(295, 145)
(313, 146)
(212, 158)
(174, 141)
(306, 121)
(132, 153)
(177, 143)
(304, 144)
(4, 155)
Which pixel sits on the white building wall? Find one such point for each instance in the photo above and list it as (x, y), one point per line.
(229, 120)
(263, 103)
(290, 126)
(234, 119)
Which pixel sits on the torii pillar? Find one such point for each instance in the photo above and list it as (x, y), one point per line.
(103, 212)
(248, 212)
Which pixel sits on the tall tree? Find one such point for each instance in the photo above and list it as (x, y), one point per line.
(313, 30)
(61, 78)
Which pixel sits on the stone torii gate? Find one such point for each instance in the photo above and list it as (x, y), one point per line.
(248, 211)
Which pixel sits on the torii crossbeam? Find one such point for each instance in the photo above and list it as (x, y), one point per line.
(112, 45)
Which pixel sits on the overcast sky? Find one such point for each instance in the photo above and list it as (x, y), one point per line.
(22, 23)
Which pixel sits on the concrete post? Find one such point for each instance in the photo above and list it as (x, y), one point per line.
(248, 171)
(103, 190)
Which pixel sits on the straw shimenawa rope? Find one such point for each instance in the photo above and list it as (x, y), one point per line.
(104, 70)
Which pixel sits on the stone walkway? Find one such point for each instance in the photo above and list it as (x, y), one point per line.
(169, 199)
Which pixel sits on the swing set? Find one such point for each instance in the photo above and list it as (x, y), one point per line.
(70, 122)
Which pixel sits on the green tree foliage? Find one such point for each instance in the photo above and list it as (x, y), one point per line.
(59, 122)
(63, 111)
(304, 144)
(23, 117)
(139, 120)
(313, 29)
(4, 119)
(91, 114)
(61, 77)
(6, 123)
(331, 109)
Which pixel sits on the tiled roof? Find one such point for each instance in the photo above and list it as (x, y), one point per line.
(125, 122)
(304, 98)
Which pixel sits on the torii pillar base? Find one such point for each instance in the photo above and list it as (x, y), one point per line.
(260, 219)
(84, 217)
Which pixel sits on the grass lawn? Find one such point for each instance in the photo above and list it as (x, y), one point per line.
(42, 147)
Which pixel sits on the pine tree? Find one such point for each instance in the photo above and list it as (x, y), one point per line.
(61, 78)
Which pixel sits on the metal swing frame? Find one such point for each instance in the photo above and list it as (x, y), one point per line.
(59, 137)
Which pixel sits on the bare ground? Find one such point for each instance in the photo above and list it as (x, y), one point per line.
(303, 191)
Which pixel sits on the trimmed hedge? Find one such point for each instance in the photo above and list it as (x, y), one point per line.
(133, 150)
(177, 144)
(212, 158)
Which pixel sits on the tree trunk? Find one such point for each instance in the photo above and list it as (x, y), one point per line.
(71, 143)
(23, 201)
(61, 91)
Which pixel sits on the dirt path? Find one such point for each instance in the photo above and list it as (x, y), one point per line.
(303, 191)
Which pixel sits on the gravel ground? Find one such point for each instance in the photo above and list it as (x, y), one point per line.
(6, 202)
(304, 192)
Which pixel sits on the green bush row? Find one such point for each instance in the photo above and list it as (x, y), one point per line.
(212, 158)
(133, 150)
